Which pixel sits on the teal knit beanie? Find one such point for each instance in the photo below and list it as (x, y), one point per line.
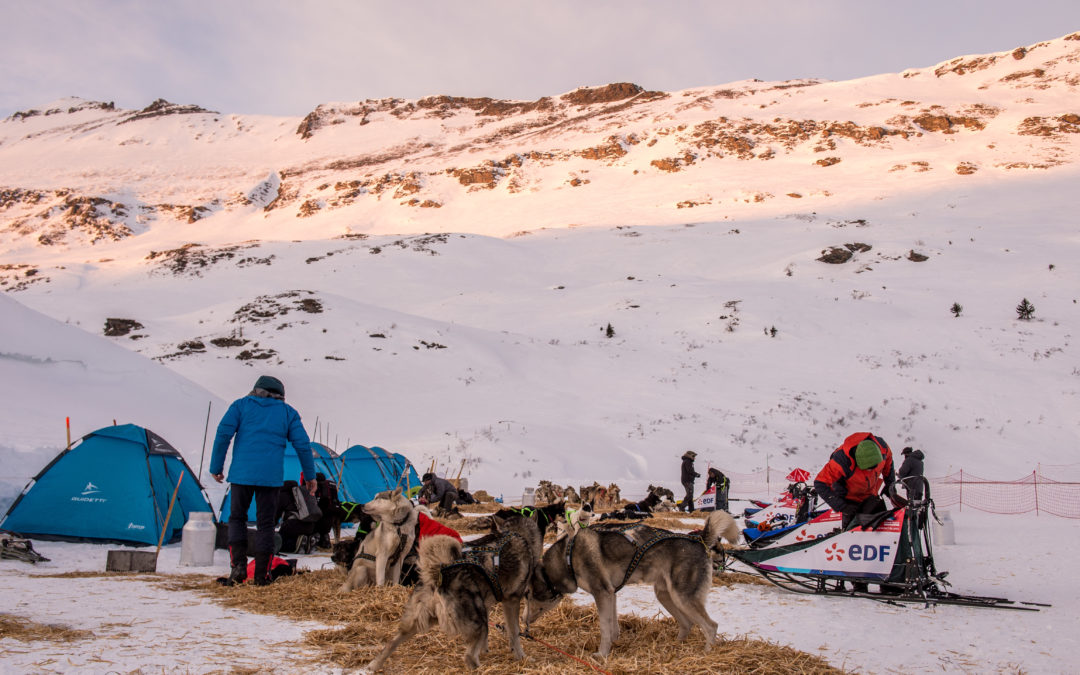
(270, 384)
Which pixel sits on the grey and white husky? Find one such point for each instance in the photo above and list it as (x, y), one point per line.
(459, 583)
(602, 559)
(379, 559)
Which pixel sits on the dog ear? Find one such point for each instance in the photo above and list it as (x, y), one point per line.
(498, 522)
(396, 492)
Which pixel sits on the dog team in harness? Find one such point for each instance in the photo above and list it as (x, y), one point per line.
(457, 582)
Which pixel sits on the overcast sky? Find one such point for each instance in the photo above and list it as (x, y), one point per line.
(284, 57)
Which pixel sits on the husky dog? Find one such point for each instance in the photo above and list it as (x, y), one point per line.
(548, 492)
(600, 561)
(638, 510)
(662, 491)
(380, 556)
(459, 584)
(544, 516)
(719, 524)
(614, 495)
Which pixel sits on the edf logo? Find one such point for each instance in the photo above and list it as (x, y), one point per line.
(868, 553)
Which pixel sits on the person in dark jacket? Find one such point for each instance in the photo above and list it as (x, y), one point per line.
(687, 477)
(912, 466)
(438, 491)
(326, 492)
(716, 477)
(260, 423)
(853, 478)
(296, 535)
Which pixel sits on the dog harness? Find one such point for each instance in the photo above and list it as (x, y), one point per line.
(473, 556)
(640, 549)
(348, 508)
(398, 550)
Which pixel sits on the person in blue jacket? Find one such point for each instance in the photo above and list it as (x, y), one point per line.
(260, 422)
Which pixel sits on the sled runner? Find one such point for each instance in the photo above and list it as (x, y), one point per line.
(892, 551)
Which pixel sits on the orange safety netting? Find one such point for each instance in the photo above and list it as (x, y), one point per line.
(1034, 492)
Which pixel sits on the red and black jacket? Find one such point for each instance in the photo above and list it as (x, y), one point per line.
(841, 481)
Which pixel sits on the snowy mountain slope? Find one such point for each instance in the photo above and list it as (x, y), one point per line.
(78, 171)
(52, 370)
(487, 340)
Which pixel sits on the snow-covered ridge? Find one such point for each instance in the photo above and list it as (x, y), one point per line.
(777, 261)
(444, 163)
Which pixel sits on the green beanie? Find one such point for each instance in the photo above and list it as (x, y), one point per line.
(867, 454)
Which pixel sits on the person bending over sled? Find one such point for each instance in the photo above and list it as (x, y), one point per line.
(438, 492)
(851, 481)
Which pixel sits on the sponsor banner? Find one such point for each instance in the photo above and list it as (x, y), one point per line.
(707, 500)
(857, 552)
(785, 507)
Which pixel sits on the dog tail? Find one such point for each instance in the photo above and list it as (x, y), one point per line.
(719, 524)
(436, 551)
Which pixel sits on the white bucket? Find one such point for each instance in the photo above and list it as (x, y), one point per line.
(528, 498)
(945, 533)
(197, 540)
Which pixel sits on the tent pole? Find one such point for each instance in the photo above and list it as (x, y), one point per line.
(206, 430)
(67, 421)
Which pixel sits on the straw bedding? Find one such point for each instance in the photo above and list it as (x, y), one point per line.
(367, 618)
(24, 630)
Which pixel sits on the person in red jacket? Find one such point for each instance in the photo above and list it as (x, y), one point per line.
(851, 481)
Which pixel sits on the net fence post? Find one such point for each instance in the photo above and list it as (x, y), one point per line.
(1035, 476)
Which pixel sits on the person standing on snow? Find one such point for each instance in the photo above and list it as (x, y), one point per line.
(261, 423)
(852, 480)
(687, 476)
(912, 466)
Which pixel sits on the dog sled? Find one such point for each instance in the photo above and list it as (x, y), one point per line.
(771, 523)
(17, 548)
(892, 550)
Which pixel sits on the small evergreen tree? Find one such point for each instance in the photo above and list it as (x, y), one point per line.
(609, 331)
(1024, 310)
(773, 331)
(956, 309)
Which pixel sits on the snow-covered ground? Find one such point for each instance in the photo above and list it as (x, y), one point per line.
(139, 625)
(487, 344)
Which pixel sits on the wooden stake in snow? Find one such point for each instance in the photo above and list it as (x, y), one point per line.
(168, 514)
(67, 421)
(206, 430)
(457, 481)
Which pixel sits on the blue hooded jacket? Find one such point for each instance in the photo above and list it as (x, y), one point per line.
(261, 427)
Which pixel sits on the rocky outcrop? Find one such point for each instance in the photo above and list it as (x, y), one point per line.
(160, 108)
(120, 327)
(1043, 126)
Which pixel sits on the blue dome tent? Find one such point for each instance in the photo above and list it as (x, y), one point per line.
(369, 471)
(114, 484)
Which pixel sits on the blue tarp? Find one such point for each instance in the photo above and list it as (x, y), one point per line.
(115, 484)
